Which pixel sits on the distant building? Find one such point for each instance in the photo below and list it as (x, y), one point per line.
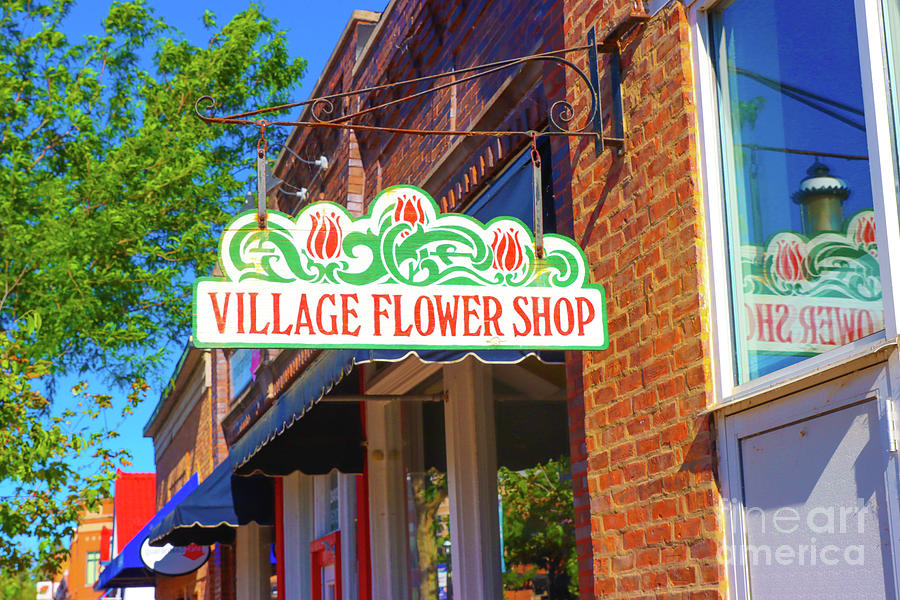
(89, 546)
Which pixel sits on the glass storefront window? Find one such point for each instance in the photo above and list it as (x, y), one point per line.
(801, 229)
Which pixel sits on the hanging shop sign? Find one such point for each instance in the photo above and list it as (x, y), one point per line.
(402, 276)
(173, 560)
(808, 295)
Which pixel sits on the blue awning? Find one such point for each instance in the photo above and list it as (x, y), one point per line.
(127, 569)
(212, 512)
(331, 436)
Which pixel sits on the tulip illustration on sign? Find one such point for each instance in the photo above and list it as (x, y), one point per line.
(789, 261)
(508, 255)
(409, 210)
(865, 233)
(325, 237)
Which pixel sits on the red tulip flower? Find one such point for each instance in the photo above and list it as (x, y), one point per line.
(508, 255)
(789, 260)
(409, 210)
(325, 237)
(865, 233)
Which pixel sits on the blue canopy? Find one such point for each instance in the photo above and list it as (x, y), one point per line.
(211, 513)
(127, 569)
(331, 436)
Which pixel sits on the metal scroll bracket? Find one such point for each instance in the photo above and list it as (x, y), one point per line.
(324, 112)
(610, 45)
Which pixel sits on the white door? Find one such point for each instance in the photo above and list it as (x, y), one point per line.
(812, 491)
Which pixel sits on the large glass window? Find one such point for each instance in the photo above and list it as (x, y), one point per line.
(801, 230)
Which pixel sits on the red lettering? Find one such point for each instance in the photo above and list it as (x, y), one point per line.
(429, 312)
(864, 331)
(348, 312)
(847, 325)
(276, 316)
(584, 318)
(537, 315)
(220, 314)
(446, 315)
(303, 318)
(826, 321)
(765, 322)
(570, 316)
(492, 312)
(779, 327)
(398, 331)
(808, 322)
(240, 298)
(377, 298)
(520, 310)
(253, 328)
(321, 326)
(470, 313)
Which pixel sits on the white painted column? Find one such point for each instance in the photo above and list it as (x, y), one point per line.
(347, 526)
(252, 564)
(387, 502)
(472, 477)
(298, 533)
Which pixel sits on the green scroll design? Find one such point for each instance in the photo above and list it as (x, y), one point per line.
(434, 249)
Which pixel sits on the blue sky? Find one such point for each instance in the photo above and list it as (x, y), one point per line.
(312, 30)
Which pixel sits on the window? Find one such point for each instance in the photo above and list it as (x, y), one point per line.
(92, 568)
(241, 370)
(803, 261)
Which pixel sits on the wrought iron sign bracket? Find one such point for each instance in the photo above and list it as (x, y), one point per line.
(562, 118)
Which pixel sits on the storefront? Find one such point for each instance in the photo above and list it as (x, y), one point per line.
(737, 438)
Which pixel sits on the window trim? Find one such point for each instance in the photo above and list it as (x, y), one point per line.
(878, 115)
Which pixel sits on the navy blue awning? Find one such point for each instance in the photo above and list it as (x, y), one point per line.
(212, 512)
(331, 436)
(127, 569)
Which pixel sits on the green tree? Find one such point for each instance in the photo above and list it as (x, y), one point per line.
(538, 527)
(112, 196)
(18, 586)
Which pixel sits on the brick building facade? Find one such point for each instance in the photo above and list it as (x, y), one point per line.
(749, 298)
(90, 541)
(187, 439)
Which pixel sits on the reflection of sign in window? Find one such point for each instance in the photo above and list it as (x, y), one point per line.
(805, 296)
(775, 115)
(241, 372)
(92, 568)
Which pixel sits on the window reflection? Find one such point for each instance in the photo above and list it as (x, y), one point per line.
(800, 224)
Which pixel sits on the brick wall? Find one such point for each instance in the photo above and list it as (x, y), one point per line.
(197, 447)
(656, 516)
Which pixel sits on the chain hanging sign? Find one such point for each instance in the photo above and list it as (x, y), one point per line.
(404, 276)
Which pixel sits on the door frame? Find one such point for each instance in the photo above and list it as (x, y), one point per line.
(325, 551)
